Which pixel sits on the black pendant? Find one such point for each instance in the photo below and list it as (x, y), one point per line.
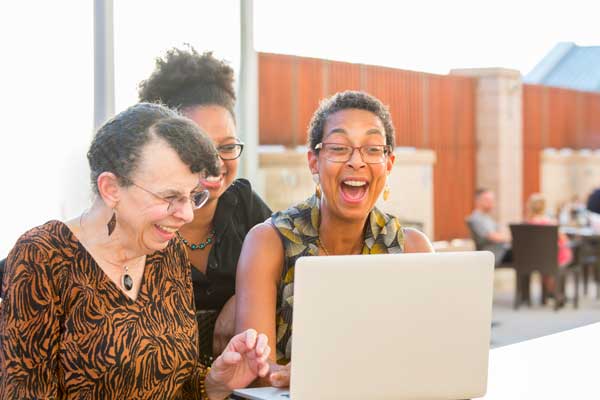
(126, 281)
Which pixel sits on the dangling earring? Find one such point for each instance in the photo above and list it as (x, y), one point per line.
(112, 223)
(317, 182)
(386, 191)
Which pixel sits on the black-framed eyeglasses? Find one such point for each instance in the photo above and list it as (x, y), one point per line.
(230, 151)
(196, 199)
(340, 153)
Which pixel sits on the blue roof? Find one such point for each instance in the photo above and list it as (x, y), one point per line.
(569, 66)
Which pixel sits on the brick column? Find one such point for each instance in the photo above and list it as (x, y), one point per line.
(499, 127)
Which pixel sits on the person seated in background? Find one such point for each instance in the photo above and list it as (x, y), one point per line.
(536, 214)
(201, 87)
(351, 141)
(485, 230)
(101, 306)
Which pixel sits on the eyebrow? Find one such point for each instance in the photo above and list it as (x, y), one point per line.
(173, 192)
(372, 131)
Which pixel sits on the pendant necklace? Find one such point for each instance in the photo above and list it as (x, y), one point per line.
(126, 279)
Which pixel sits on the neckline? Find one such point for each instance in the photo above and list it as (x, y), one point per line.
(103, 278)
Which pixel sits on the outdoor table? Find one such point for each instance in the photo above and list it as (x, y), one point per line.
(559, 366)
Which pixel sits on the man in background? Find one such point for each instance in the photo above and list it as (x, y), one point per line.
(484, 229)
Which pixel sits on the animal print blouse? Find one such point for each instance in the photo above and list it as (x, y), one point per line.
(67, 331)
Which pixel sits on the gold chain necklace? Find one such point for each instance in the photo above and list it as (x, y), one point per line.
(322, 247)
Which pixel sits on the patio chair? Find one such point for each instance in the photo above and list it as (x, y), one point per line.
(535, 248)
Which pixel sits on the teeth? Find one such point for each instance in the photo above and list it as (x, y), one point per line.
(355, 183)
(167, 229)
(213, 179)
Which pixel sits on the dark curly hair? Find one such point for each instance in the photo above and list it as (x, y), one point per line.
(185, 78)
(344, 101)
(118, 144)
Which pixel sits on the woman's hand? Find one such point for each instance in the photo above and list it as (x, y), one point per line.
(224, 326)
(280, 375)
(243, 360)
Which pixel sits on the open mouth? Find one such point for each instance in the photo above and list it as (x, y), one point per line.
(354, 190)
(212, 182)
(167, 232)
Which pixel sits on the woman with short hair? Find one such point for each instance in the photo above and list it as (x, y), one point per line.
(101, 306)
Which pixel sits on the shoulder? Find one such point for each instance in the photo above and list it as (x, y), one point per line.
(49, 237)
(262, 251)
(37, 253)
(416, 242)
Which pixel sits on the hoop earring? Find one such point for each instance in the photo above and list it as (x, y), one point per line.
(317, 182)
(112, 223)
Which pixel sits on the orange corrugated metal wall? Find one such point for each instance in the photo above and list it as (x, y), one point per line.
(429, 111)
(557, 118)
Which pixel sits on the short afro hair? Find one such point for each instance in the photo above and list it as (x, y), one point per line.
(345, 101)
(185, 78)
(118, 144)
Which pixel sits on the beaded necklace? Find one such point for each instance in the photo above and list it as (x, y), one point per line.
(201, 245)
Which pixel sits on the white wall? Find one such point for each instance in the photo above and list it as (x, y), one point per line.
(47, 108)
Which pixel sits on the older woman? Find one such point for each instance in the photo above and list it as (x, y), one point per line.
(101, 307)
(350, 157)
(201, 87)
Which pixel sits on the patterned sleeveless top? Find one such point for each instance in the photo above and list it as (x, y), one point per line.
(68, 331)
(298, 228)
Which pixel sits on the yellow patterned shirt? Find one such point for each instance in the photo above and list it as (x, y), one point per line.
(298, 228)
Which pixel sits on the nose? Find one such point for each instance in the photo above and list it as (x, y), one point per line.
(356, 160)
(184, 211)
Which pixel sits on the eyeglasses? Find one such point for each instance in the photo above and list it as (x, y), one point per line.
(370, 153)
(230, 151)
(196, 199)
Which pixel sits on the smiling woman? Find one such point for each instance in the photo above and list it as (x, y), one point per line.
(201, 86)
(112, 313)
(350, 157)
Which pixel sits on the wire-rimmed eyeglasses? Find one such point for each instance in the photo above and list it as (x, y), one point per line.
(370, 153)
(197, 199)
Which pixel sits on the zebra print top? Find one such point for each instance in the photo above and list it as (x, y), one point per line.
(67, 331)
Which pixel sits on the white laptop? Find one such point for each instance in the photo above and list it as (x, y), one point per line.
(403, 326)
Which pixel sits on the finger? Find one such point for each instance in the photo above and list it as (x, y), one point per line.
(263, 370)
(239, 342)
(261, 344)
(280, 379)
(251, 337)
(265, 356)
(231, 357)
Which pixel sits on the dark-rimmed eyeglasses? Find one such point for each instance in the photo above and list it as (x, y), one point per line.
(196, 199)
(230, 151)
(340, 153)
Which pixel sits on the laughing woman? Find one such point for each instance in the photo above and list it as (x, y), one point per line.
(101, 307)
(201, 87)
(351, 140)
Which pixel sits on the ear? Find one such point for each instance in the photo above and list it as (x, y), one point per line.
(109, 189)
(391, 159)
(313, 162)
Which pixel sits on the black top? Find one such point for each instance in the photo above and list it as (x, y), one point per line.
(238, 210)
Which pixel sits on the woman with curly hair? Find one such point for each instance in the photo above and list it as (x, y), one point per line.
(201, 88)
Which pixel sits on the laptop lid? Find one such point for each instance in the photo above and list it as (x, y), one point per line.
(404, 326)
